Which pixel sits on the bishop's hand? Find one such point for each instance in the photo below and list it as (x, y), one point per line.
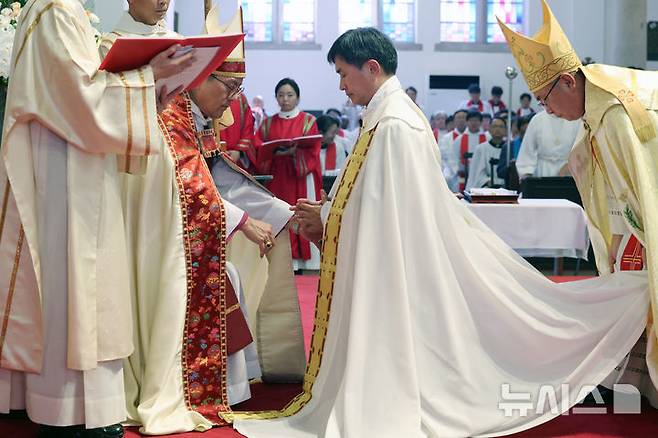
(260, 233)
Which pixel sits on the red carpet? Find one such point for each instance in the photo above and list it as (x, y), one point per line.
(276, 396)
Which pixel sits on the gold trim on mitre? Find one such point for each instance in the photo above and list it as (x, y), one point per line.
(546, 55)
(234, 65)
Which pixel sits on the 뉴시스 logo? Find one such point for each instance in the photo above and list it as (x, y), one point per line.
(626, 400)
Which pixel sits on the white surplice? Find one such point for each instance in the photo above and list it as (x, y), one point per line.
(63, 273)
(546, 145)
(432, 314)
(480, 171)
(152, 211)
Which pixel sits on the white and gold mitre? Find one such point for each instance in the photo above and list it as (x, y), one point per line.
(544, 56)
(234, 66)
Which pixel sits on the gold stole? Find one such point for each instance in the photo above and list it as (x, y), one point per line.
(326, 286)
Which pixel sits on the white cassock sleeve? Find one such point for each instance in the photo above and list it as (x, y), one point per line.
(236, 189)
(477, 175)
(235, 218)
(526, 162)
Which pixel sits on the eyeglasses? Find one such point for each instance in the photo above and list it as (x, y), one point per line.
(233, 91)
(544, 101)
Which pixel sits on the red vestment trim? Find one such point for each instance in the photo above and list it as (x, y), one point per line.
(631, 259)
(462, 150)
(210, 296)
(330, 157)
(480, 105)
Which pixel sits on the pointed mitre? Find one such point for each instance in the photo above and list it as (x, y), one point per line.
(234, 66)
(544, 56)
(548, 54)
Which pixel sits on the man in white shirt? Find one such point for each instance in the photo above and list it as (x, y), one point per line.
(448, 161)
(465, 144)
(475, 102)
(546, 145)
(480, 172)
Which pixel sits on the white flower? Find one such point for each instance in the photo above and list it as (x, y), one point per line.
(16, 10)
(6, 12)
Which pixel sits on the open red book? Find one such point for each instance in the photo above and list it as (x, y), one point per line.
(267, 149)
(211, 51)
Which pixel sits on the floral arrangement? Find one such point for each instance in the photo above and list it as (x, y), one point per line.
(8, 18)
(9, 14)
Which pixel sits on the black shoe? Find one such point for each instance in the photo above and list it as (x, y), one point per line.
(113, 431)
(15, 415)
(79, 431)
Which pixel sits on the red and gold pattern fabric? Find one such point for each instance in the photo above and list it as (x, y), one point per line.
(211, 316)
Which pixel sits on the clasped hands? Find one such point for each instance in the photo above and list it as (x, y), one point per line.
(308, 219)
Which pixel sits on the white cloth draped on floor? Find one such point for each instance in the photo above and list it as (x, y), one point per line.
(432, 313)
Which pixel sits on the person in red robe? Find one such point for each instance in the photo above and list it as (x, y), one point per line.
(239, 136)
(297, 172)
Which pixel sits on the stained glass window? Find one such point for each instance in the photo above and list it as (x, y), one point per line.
(258, 19)
(279, 20)
(510, 11)
(399, 20)
(458, 21)
(356, 13)
(298, 20)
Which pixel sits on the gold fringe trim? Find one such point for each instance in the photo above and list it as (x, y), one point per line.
(325, 287)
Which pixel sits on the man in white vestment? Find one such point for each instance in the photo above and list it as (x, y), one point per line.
(465, 144)
(63, 272)
(154, 397)
(481, 165)
(426, 322)
(271, 299)
(614, 160)
(546, 145)
(446, 142)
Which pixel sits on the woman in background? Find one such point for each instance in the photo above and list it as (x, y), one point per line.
(297, 171)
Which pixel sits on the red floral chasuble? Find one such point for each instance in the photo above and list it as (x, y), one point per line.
(214, 325)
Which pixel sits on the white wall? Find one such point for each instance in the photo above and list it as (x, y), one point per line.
(582, 20)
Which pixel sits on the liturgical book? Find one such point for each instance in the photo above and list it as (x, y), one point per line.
(267, 149)
(211, 51)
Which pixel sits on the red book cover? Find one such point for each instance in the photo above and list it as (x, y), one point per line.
(132, 53)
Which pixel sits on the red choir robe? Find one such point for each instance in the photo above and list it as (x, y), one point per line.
(330, 160)
(496, 107)
(240, 135)
(463, 148)
(290, 172)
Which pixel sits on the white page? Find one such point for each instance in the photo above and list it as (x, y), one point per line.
(203, 57)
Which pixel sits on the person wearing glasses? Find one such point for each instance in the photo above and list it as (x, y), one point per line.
(614, 158)
(191, 328)
(297, 171)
